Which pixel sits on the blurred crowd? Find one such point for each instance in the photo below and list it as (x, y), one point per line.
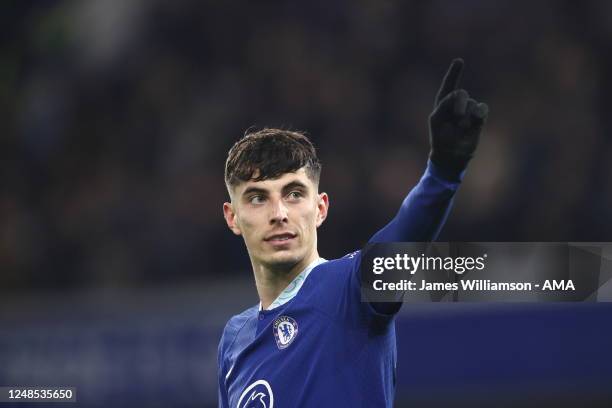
(117, 117)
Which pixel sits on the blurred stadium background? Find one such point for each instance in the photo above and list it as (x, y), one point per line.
(117, 271)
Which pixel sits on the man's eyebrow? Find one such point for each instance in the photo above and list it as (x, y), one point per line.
(257, 190)
(286, 188)
(294, 184)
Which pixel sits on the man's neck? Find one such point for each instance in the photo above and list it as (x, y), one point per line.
(271, 282)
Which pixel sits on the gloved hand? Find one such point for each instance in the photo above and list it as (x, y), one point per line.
(455, 123)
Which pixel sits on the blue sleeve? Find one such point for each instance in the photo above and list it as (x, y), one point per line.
(221, 372)
(424, 210)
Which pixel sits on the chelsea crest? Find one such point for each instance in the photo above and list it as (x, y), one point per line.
(285, 331)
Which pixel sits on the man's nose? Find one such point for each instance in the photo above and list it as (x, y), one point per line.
(278, 212)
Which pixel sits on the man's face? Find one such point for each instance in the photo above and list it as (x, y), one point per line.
(278, 218)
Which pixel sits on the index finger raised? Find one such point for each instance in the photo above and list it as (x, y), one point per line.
(451, 79)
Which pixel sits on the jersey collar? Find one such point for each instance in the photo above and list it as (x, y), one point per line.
(294, 287)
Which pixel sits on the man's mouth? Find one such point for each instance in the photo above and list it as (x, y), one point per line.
(277, 238)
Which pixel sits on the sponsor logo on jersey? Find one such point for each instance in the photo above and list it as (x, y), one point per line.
(257, 395)
(285, 330)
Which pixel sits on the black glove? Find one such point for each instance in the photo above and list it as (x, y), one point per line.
(455, 123)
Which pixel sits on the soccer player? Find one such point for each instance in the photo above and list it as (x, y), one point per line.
(311, 341)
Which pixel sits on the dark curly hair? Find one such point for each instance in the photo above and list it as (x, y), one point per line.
(270, 153)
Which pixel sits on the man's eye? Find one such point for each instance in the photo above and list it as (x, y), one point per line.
(294, 195)
(256, 199)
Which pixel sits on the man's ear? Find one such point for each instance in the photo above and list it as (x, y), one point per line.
(230, 217)
(322, 207)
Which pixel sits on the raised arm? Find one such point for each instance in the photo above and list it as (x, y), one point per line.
(454, 131)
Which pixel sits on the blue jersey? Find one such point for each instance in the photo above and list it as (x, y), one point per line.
(322, 346)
